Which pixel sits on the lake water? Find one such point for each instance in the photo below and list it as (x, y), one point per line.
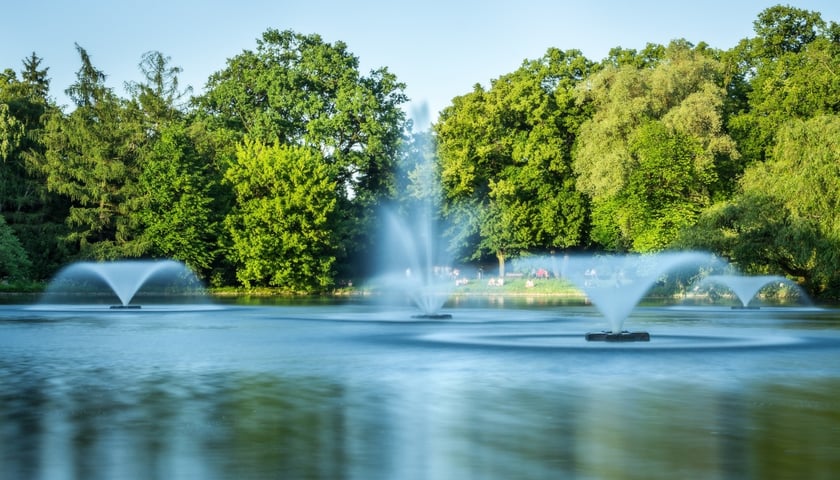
(503, 390)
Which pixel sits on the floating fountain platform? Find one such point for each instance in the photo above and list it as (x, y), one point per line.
(623, 336)
(433, 316)
(125, 307)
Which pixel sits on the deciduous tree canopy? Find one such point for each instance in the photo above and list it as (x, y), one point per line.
(505, 158)
(284, 221)
(651, 155)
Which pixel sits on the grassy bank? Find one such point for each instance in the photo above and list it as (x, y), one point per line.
(514, 286)
(520, 286)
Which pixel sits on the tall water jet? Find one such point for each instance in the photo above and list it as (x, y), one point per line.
(97, 282)
(745, 287)
(616, 283)
(412, 259)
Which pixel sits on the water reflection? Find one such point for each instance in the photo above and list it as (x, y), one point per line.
(266, 393)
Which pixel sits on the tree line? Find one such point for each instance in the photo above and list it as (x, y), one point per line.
(275, 175)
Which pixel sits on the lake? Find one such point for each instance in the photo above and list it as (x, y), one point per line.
(505, 389)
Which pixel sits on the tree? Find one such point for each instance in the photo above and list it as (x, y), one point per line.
(784, 29)
(172, 208)
(90, 158)
(35, 215)
(159, 96)
(784, 220)
(678, 102)
(792, 66)
(784, 106)
(299, 90)
(664, 192)
(89, 87)
(505, 158)
(283, 222)
(35, 78)
(14, 262)
(22, 105)
(803, 174)
(173, 203)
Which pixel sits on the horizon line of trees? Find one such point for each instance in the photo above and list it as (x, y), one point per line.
(276, 174)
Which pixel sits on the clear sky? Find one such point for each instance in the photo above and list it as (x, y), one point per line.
(438, 48)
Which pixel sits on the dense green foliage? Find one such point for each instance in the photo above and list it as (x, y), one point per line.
(283, 224)
(274, 175)
(785, 218)
(92, 158)
(298, 90)
(14, 262)
(505, 160)
(174, 203)
(36, 217)
(650, 154)
(782, 218)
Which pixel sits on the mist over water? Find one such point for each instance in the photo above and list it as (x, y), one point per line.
(413, 257)
(413, 261)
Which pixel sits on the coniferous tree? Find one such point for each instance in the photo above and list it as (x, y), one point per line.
(91, 159)
(34, 214)
(14, 261)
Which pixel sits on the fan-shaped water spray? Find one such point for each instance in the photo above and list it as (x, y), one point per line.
(616, 283)
(95, 282)
(745, 287)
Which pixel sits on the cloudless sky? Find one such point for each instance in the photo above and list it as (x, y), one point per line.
(438, 48)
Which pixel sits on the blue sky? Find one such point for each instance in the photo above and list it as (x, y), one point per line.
(438, 48)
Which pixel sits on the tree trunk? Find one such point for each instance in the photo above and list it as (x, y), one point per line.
(501, 256)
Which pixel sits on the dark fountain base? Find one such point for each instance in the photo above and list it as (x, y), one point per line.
(624, 336)
(125, 307)
(739, 307)
(433, 316)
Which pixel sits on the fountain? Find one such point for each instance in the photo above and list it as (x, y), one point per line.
(418, 269)
(413, 257)
(616, 283)
(745, 287)
(102, 281)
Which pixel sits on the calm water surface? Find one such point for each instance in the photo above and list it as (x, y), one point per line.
(358, 391)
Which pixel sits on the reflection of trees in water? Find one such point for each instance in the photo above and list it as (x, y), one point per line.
(172, 426)
(279, 426)
(104, 423)
(21, 420)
